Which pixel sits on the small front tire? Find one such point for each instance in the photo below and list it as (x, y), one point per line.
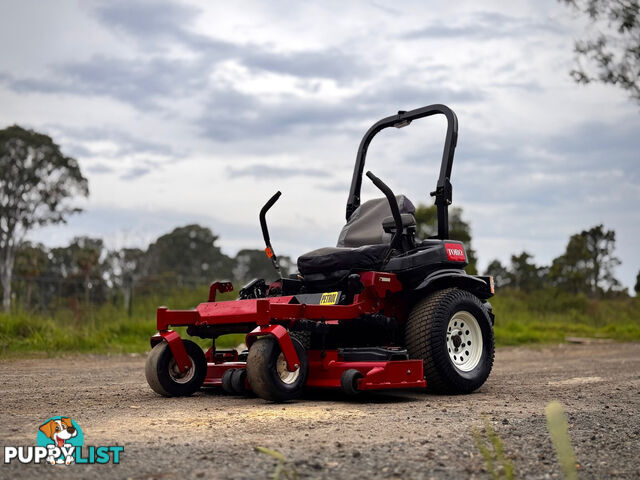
(239, 381)
(163, 374)
(267, 373)
(349, 382)
(227, 385)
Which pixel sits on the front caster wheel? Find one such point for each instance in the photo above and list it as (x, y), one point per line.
(349, 381)
(164, 376)
(239, 381)
(227, 385)
(267, 371)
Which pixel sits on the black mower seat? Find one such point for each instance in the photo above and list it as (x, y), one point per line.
(330, 259)
(365, 226)
(362, 244)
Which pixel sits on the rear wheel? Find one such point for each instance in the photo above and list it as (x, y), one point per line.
(164, 376)
(267, 371)
(451, 332)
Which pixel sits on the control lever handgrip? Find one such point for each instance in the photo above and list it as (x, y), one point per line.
(265, 231)
(263, 213)
(396, 241)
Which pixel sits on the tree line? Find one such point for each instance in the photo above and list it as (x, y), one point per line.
(86, 271)
(586, 267)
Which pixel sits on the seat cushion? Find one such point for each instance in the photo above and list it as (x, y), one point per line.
(329, 259)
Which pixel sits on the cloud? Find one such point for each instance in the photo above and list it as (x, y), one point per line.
(147, 19)
(487, 25)
(142, 83)
(598, 145)
(270, 171)
(99, 168)
(134, 173)
(330, 63)
(150, 23)
(147, 78)
(123, 143)
(231, 115)
(104, 148)
(154, 25)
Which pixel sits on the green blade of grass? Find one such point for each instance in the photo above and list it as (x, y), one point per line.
(272, 453)
(559, 431)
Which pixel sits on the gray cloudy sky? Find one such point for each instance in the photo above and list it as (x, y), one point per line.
(197, 112)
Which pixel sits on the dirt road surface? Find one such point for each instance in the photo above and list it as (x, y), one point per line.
(404, 435)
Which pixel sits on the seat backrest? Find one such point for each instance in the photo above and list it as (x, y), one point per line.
(365, 225)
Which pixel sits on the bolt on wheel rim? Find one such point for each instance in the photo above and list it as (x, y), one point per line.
(464, 341)
(179, 377)
(285, 375)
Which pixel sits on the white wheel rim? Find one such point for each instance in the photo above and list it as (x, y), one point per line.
(177, 376)
(285, 375)
(464, 341)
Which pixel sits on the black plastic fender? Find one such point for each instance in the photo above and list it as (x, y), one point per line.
(479, 286)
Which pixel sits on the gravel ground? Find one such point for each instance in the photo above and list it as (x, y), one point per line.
(325, 435)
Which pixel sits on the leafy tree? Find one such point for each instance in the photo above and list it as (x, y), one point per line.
(190, 254)
(252, 264)
(86, 255)
(524, 274)
(30, 263)
(612, 55)
(588, 262)
(427, 226)
(637, 285)
(80, 269)
(36, 183)
(499, 273)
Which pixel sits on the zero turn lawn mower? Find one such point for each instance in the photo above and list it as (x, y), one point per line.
(381, 310)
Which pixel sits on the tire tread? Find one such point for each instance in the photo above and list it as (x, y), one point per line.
(424, 323)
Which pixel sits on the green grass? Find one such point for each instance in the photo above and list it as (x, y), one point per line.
(490, 446)
(559, 431)
(550, 316)
(97, 329)
(284, 468)
(501, 467)
(541, 317)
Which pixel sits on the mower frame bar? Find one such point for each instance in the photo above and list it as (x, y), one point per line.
(443, 192)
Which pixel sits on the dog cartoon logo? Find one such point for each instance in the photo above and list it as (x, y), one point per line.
(61, 436)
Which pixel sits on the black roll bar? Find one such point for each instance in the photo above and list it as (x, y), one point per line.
(443, 191)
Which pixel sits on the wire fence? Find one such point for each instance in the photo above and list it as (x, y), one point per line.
(43, 294)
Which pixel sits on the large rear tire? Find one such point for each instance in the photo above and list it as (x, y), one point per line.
(267, 373)
(451, 332)
(163, 374)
